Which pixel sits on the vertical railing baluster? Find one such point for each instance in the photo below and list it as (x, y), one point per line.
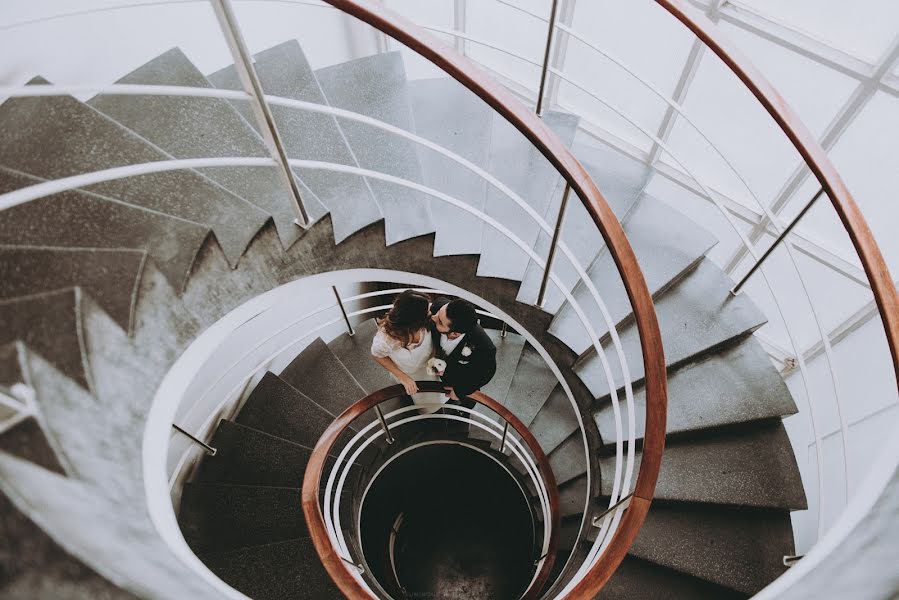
(541, 296)
(209, 449)
(384, 427)
(502, 443)
(546, 53)
(780, 238)
(243, 63)
(559, 52)
(346, 319)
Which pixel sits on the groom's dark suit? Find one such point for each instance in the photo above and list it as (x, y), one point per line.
(471, 365)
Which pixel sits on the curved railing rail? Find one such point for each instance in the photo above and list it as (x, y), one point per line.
(332, 559)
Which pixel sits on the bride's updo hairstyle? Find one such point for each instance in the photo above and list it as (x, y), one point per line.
(409, 314)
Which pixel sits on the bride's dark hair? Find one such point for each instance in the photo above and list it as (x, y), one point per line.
(410, 313)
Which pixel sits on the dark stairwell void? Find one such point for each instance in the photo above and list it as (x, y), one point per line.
(448, 521)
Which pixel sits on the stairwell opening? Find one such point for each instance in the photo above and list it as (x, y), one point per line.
(448, 520)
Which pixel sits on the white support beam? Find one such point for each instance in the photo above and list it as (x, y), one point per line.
(835, 129)
(842, 331)
(460, 22)
(559, 51)
(769, 28)
(691, 66)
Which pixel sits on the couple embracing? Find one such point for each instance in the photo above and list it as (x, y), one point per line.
(417, 337)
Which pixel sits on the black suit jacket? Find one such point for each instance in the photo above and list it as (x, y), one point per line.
(466, 370)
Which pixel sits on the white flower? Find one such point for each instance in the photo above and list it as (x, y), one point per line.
(466, 351)
(436, 366)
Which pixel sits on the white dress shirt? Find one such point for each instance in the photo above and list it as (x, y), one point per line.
(449, 345)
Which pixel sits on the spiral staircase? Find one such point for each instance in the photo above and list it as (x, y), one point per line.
(104, 287)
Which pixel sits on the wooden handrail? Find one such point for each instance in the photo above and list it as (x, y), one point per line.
(334, 564)
(495, 95)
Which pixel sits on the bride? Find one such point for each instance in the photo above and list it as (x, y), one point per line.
(403, 345)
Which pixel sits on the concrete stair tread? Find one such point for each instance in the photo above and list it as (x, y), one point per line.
(319, 374)
(636, 578)
(11, 371)
(288, 569)
(555, 421)
(754, 468)
(701, 304)
(620, 179)
(28, 440)
(276, 408)
(80, 219)
(188, 127)
(569, 460)
(531, 386)
(735, 548)
(379, 91)
(94, 142)
(37, 566)
(222, 516)
(246, 456)
(508, 353)
(284, 71)
(448, 114)
(355, 353)
(110, 277)
(516, 163)
(667, 244)
(737, 385)
(572, 497)
(49, 324)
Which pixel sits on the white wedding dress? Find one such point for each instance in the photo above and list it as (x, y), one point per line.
(413, 361)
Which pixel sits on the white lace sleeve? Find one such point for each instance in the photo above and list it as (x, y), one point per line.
(383, 345)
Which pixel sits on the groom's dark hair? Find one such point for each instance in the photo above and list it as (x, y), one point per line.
(461, 315)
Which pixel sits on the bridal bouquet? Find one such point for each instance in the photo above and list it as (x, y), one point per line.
(436, 366)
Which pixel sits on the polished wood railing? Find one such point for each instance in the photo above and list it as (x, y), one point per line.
(315, 520)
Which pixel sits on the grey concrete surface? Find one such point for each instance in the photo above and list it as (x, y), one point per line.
(516, 163)
(736, 385)
(110, 277)
(94, 142)
(379, 91)
(700, 304)
(667, 244)
(77, 219)
(188, 127)
(447, 114)
(288, 569)
(284, 71)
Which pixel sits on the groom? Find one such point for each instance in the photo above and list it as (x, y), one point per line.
(459, 340)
